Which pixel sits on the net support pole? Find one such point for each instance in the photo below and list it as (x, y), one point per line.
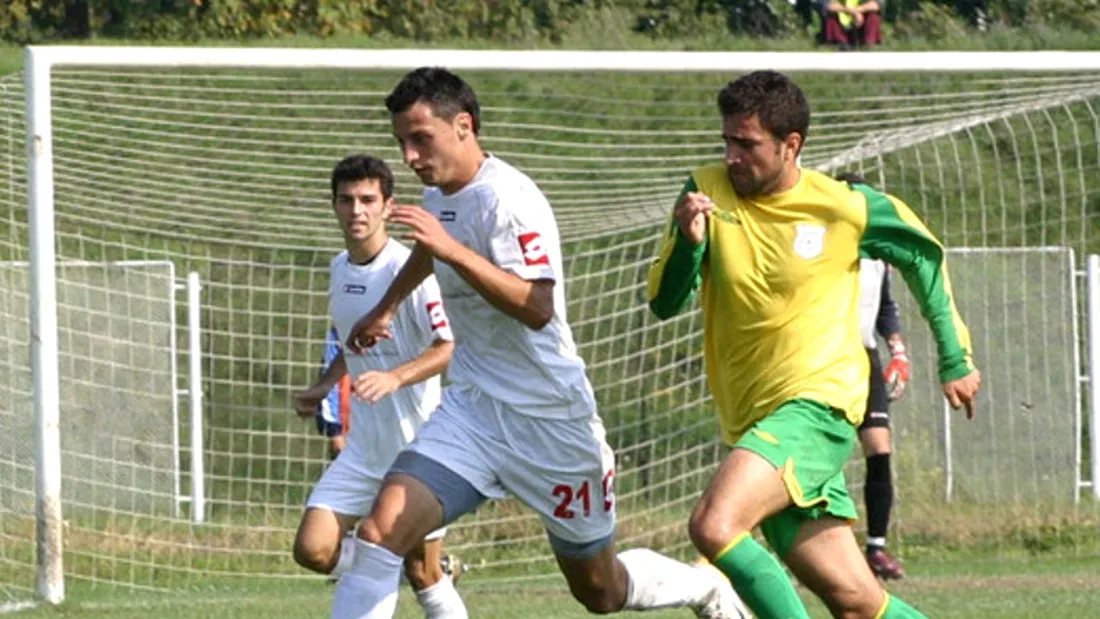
(195, 399)
(1092, 285)
(1080, 378)
(948, 455)
(49, 575)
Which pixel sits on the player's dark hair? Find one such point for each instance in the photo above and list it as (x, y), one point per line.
(355, 168)
(446, 93)
(851, 178)
(771, 96)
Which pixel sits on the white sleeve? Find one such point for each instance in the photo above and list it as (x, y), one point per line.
(426, 305)
(523, 237)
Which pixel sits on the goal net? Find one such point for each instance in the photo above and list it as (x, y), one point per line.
(119, 416)
(224, 171)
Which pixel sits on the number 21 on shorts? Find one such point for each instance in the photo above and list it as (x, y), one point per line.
(573, 500)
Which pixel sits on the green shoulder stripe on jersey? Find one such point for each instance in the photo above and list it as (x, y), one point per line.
(896, 235)
(677, 271)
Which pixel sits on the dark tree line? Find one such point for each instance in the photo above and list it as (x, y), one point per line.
(36, 20)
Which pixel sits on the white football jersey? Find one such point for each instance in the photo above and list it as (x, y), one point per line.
(378, 432)
(502, 215)
(871, 275)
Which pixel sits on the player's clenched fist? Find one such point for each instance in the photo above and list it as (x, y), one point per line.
(691, 215)
(963, 391)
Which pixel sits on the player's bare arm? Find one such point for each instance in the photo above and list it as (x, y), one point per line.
(375, 325)
(373, 386)
(305, 402)
(691, 215)
(530, 302)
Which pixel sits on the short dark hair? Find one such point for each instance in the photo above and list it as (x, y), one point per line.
(771, 96)
(851, 178)
(446, 93)
(355, 168)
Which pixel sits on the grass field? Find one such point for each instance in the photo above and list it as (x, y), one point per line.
(1031, 178)
(973, 589)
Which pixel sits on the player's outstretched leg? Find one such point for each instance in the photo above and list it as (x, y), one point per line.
(641, 579)
(435, 591)
(826, 558)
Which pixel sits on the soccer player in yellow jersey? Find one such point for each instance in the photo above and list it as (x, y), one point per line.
(775, 250)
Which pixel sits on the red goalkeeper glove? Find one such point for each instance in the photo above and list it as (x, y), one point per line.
(897, 372)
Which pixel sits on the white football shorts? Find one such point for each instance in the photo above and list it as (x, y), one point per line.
(347, 489)
(561, 468)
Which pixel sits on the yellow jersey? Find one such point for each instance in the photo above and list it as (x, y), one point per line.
(780, 290)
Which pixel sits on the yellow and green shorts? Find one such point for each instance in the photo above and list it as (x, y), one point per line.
(809, 442)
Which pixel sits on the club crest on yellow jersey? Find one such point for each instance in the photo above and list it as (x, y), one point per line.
(809, 240)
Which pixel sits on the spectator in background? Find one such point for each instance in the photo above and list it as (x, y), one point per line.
(851, 23)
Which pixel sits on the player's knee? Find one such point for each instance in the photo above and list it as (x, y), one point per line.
(599, 588)
(314, 556)
(709, 533)
(863, 611)
(421, 574)
(849, 600)
(875, 441)
(372, 531)
(599, 600)
(874, 450)
(384, 532)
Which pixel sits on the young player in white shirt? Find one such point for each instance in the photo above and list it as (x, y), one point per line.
(520, 416)
(396, 386)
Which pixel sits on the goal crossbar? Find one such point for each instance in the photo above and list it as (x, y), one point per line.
(561, 60)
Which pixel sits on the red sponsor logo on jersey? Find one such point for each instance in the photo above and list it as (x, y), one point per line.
(534, 252)
(436, 315)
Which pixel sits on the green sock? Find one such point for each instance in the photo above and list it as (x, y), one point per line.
(760, 580)
(897, 609)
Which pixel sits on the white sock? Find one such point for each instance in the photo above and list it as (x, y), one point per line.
(368, 589)
(877, 542)
(441, 601)
(347, 554)
(657, 581)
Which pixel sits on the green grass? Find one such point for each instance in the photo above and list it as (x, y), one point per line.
(963, 589)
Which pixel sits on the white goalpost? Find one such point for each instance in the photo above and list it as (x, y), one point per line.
(214, 162)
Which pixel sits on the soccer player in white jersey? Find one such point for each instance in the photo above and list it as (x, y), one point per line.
(396, 386)
(520, 416)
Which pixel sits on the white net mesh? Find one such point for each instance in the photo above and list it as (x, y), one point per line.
(225, 172)
(1019, 457)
